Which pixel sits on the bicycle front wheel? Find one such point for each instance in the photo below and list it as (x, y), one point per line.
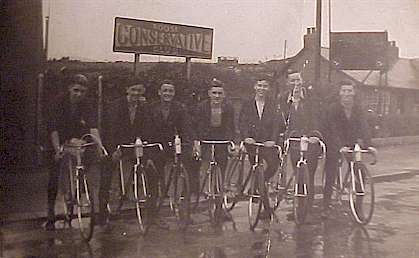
(179, 194)
(301, 202)
(140, 197)
(234, 183)
(256, 195)
(116, 193)
(85, 206)
(215, 195)
(361, 194)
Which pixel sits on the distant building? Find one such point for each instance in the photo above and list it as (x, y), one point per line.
(391, 91)
(226, 60)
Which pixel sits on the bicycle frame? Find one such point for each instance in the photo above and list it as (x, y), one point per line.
(212, 165)
(138, 166)
(356, 157)
(355, 178)
(75, 175)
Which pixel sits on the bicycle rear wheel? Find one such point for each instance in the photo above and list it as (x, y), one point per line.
(256, 195)
(179, 195)
(361, 199)
(85, 207)
(215, 198)
(141, 198)
(301, 202)
(233, 186)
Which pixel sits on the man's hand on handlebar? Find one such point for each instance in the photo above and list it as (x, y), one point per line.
(269, 144)
(249, 140)
(58, 155)
(116, 155)
(196, 150)
(313, 139)
(345, 149)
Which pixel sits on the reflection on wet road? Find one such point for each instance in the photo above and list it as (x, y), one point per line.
(393, 232)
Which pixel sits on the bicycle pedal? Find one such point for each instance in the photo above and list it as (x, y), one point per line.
(360, 194)
(300, 195)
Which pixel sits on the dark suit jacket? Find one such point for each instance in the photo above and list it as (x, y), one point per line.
(164, 130)
(341, 131)
(204, 131)
(303, 120)
(118, 128)
(267, 128)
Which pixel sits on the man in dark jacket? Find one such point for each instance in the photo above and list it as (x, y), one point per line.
(261, 121)
(303, 119)
(346, 125)
(215, 121)
(72, 115)
(126, 119)
(168, 118)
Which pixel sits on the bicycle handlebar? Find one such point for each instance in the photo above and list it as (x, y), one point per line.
(298, 139)
(263, 145)
(143, 145)
(95, 141)
(370, 150)
(210, 142)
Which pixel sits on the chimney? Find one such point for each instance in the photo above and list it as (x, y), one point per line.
(310, 37)
(392, 52)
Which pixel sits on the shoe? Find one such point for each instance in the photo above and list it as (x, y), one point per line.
(50, 225)
(265, 215)
(291, 217)
(189, 221)
(325, 213)
(225, 216)
(160, 223)
(102, 220)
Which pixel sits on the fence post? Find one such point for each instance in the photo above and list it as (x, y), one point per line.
(100, 103)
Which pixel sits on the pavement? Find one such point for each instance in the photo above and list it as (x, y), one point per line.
(25, 193)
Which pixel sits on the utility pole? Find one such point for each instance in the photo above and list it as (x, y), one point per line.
(46, 37)
(317, 49)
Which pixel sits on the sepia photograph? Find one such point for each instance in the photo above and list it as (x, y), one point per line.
(209, 128)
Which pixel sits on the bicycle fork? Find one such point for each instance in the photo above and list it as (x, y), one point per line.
(144, 190)
(297, 188)
(361, 181)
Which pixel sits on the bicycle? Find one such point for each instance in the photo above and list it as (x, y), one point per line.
(79, 195)
(299, 179)
(178, 186)
(234, 179)
(255, 184)
(139, 182)
(214, 189)
(357, 183)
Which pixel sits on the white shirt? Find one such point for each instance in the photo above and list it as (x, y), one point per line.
(260, 104)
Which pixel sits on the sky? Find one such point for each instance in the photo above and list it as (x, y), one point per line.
(253, 30)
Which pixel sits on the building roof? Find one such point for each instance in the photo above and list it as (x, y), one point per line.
(403, 73)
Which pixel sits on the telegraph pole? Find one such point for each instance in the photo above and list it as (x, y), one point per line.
(317, 49)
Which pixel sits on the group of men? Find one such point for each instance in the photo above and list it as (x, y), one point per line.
(263, 118)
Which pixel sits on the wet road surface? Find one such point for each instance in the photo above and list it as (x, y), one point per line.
(393, 232)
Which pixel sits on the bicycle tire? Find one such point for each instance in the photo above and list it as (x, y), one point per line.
(362, 206)
(179, 193)
(300, 201)
(85, 207)
(233, 185)
(215, 201)
(255, 197)
(116, 197)
(200, 192)
(141, 198)
(275, 189)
